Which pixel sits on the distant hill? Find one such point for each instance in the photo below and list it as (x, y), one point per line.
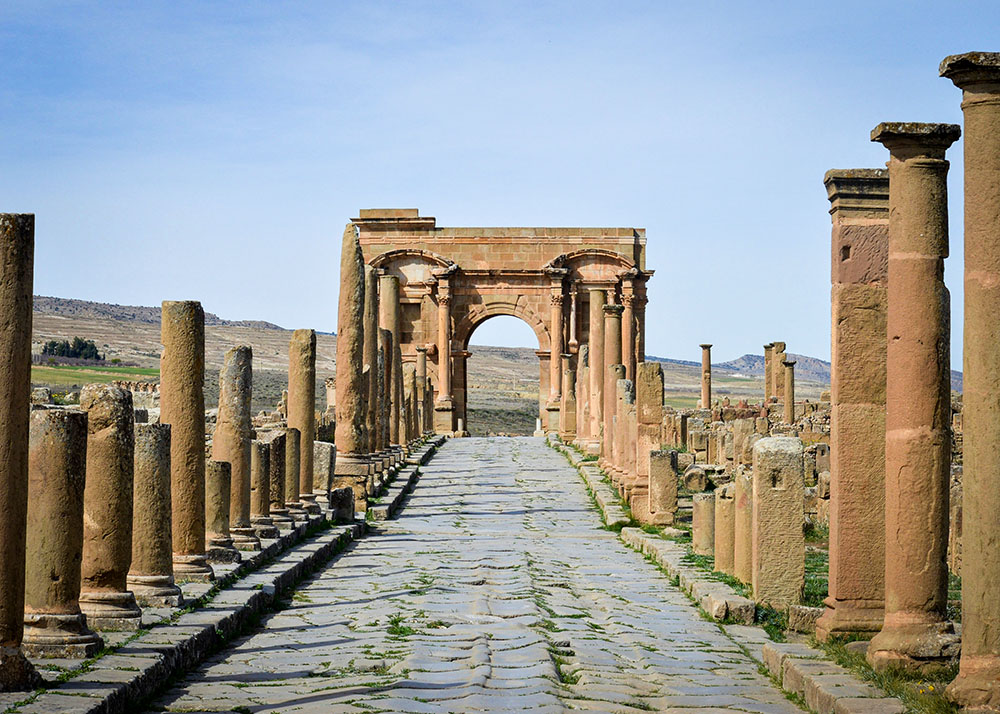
(68, 307)
(808, 368)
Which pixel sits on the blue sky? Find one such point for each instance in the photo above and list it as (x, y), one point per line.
(214, 151)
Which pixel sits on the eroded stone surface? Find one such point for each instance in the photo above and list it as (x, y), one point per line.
(496, 590)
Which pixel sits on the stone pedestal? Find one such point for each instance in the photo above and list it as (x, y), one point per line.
(743, 527)
(725, 529)
(182, 406)
(151, 576)
(107, 509)
(17, 248)
(662, 488)
(218, 485)
(54, 626)
(703, 523)
(324, 460)
(231, 441)
(977, 74)
(779, 549)
(860, 248)
(916, 634)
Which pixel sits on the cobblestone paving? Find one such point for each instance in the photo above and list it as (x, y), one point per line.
(496, 590)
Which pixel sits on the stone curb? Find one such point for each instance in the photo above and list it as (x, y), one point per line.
(118, 682)
(613, 514)
(826, 688)
(397, 488)
(716, 598)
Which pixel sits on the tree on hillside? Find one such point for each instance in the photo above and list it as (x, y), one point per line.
(79, 349)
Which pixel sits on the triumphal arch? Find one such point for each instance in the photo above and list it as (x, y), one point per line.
(452, 279)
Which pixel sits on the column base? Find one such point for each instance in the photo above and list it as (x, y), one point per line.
(221, 549)
(264, 527)
(111, 611)
(977, 686)
(352, 472)
(309, 504)
(281, 518)
(155, 590)
(244, 538)
(850, 618)
(193, 567)
(48, 635)
(919, 647)
(17, 674)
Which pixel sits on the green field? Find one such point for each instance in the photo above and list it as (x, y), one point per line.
(64, 375)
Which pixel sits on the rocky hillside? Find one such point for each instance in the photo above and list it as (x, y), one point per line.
(68, 307)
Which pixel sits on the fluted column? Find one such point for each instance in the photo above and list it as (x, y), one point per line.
(628, 330)
(612, 356)
(598, 298)
(977, 74)
(916, 634)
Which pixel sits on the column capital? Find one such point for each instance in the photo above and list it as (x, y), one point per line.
(557, 300)
(916, 137)
(972, 68)
(705, 347)
(788, 363)
(613, 310)
(421, 349)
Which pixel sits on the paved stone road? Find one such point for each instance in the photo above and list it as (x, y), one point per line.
(496, 590)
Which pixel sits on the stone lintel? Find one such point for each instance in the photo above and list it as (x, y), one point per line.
(904, 134)
(971, 68)
(857, 189)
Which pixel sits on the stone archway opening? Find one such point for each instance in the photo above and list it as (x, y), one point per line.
(501, 377)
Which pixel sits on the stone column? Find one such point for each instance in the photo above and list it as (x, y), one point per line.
(260, 489)
(860, 248)
(612, 356)
(421, 388)
(218, 487)
(302, 407)
(54, 626)
(352, 465)
(598, 368)
(567, 405)
(556, 299)
(385, 403)
(649, 417)
(582, 394)
(768, 366)
(409, 402)
(297, 507)
(371, 321)
(17, 248)
(389, 320)
(916, 634)
(182, 405)
(151, 576)
(628, 330)
(706, 376)
(276, 477)
(231, 441)
(779, 547)
(444, 345)
(777, 373)
(662, 488)
(725, 529)
(977, 74)
(107, 509)
(789, 395)
(703, 523)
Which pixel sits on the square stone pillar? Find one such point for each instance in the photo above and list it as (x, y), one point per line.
(662, 488)
(860, 261)
(779, 547)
